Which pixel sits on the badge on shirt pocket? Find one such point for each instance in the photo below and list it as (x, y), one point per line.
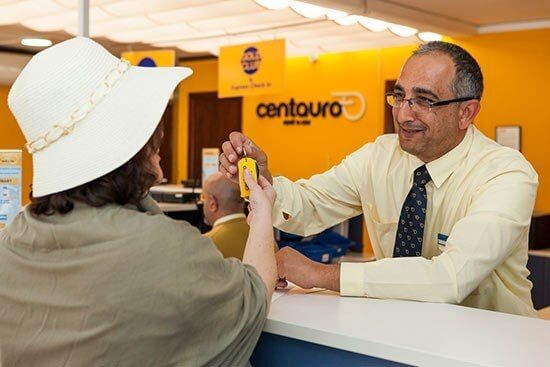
(442, 239)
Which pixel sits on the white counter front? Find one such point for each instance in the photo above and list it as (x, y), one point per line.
(416, 333)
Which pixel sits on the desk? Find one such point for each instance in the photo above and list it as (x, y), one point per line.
(177, 207)
(539, 268)
(324, 329)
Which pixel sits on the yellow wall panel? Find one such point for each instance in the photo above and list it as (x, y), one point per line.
(12, 138)
(515, 67)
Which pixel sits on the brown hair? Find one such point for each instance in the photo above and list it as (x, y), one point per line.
(127, 184)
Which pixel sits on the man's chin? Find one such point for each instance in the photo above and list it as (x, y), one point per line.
(408, 146)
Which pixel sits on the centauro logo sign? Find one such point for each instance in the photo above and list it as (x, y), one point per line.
(349, 105)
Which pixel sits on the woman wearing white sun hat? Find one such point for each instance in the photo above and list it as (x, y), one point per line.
(91, 272)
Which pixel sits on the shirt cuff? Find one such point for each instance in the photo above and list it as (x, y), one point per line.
(351, 279)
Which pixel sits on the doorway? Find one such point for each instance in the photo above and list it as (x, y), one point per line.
(211, 119)
(388, 117)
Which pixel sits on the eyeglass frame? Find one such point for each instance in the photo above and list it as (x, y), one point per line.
(410, 101)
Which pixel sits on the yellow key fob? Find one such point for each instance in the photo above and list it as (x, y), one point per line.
(252, 167)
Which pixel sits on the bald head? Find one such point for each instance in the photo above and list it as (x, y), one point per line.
(222, 197)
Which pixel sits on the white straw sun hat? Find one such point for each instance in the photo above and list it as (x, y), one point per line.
(85, 112)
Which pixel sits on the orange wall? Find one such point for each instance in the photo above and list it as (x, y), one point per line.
(515, 66)
(12, 138)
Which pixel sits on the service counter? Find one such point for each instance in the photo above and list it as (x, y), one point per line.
(320, 328)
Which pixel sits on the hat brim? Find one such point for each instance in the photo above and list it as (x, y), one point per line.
(111, 134)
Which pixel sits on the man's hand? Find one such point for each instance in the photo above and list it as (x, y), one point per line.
(233, 150)
(305, 273)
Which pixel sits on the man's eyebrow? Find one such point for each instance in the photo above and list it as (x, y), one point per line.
(420, 90)
(397, 87)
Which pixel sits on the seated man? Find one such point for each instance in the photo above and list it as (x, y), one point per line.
(224, 211)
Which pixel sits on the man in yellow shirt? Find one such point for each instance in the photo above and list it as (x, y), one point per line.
(446, 208)
(224, 210)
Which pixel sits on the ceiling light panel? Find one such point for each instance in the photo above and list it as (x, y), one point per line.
(343, 38)
(368, 44)
(348, 20)
(65, 20)
(260, 20)
(274, 4)
(217, 9)
(401, 30)
(308, 10)
(114, 26)
(73, 4)
(162, 33)
(373, 25)
(293, 50)
(21, 10)
(323, 30)
(130, 8)
(268, 26)
(203, 45)
(206, 45)
(333, 14)
(430, 36)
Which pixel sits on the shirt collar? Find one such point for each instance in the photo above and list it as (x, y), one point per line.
(441, 168)
(227, 218)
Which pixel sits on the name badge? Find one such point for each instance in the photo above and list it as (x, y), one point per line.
(442, 239)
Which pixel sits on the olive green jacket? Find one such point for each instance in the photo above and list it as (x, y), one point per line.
(118, 286)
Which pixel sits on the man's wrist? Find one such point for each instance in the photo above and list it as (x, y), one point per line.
(328, 277)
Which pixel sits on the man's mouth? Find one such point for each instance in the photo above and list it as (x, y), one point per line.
(412, 131)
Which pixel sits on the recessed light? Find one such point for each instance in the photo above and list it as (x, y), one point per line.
(36, 42)
(430, 36)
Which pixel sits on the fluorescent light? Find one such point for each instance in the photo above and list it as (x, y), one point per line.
(401, 30)
(373, 25)
(334, 14)
(349, 20)
(36, 42)
(430, 36)
(308, 10)
(274, 4)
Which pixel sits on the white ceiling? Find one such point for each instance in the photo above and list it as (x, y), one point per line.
(483, 12)
(200, 27)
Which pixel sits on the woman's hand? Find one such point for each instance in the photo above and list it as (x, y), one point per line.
(262, 197)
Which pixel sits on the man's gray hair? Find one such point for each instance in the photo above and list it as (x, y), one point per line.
(468, 81)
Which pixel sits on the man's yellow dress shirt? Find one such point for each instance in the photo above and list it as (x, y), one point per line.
(474, 252)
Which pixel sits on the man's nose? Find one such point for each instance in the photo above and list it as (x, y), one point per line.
(405, 112)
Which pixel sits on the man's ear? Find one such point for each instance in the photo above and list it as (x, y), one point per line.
(468, 111)
(213, 204)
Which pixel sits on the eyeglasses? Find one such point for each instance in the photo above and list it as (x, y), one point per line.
(421, 104)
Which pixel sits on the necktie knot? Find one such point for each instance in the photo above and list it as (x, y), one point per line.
(421, 176)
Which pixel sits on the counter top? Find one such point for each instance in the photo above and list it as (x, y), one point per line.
(177, 207)
(417, 333)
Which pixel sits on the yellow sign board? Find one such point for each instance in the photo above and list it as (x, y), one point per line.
(151, 58)
(252, 69)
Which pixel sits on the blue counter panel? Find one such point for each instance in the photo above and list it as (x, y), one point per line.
(275, 350)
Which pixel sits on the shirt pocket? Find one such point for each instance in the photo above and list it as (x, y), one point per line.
(383, 236)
